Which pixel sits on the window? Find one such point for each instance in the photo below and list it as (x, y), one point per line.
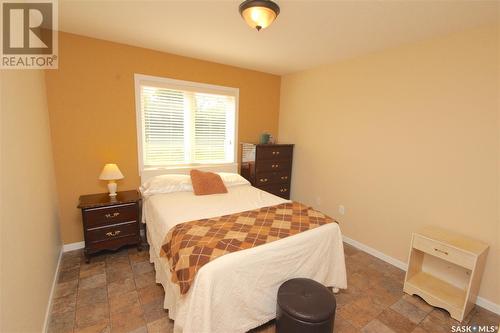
(183, 123)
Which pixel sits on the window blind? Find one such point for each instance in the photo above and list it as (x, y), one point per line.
(163, 116)
(185, 127)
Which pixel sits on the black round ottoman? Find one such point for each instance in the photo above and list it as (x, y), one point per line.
(305, 306)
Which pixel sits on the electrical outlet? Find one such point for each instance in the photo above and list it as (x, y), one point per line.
(341, 209)
(318, 201)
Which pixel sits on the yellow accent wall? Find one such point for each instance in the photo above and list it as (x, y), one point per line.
(93, 119)
(30, 243)
(403, 138)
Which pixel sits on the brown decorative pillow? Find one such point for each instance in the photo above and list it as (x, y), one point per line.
(207, 183)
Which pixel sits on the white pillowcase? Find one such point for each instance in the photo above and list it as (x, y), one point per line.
(182, 183)
(167, 184)
(232, 179)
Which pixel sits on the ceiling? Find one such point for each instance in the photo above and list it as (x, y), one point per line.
(306, 34)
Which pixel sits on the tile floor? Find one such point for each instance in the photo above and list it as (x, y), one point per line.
(117, 292)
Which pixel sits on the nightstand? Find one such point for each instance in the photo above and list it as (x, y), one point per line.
(109, 224)
(445, 269)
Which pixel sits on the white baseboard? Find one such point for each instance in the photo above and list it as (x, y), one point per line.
(488, 305)
(482, 302)
(51, 294)
(73, 246)
(382, 256)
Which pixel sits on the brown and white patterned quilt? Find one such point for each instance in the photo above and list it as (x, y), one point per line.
(190, 245)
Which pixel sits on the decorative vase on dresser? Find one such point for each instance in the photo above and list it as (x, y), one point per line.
(268, 167)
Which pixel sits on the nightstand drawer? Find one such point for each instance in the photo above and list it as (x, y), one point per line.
(112, 244)
(111, 215)
(119, 230)
(443, 251)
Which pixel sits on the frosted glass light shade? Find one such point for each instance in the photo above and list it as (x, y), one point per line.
(111, 172)
(259, 14)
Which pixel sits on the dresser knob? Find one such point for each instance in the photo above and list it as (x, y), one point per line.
(274, 153)
(110, 216)
(277, 153)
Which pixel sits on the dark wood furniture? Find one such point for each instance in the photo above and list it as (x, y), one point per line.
(268, 167)
(110, 223)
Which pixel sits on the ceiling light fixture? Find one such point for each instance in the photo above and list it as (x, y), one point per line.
(259, 14)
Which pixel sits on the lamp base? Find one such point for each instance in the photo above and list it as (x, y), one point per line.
(112, 186)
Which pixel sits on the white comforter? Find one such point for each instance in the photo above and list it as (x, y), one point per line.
(237, 292)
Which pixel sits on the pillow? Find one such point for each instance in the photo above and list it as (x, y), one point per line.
(166, 184)
(232, 179)
(205, 183)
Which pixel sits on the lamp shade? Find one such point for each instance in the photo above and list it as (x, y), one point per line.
(111, 172)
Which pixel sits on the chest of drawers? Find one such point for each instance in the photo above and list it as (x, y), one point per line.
(109, 224)
(268, 167)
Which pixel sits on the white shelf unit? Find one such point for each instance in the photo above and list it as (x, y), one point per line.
(445, 269)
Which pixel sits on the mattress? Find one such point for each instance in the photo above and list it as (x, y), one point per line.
(237, 292)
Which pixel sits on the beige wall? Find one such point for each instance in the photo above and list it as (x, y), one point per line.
(403, 138)
(92, 111)
(30, 242)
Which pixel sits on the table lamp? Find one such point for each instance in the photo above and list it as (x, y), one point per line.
(112, 173)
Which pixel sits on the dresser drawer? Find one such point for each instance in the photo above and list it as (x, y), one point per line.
(443, 251)
(265, 178)
(274, 152)
(272, 165)
(281, 190)
(111, 215)
(115, 231)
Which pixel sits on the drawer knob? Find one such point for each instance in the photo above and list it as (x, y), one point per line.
(113, 233)
(441, 251)
(263, 180)
(284, 177)
(275, 165)
(110, 216)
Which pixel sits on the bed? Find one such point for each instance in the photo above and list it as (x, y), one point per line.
(237, 292)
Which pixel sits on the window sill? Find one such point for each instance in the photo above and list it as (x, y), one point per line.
(152, 172)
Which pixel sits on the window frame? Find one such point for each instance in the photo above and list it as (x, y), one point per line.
(169, 83)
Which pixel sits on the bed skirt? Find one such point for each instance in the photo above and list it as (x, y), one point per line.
(227, 307)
